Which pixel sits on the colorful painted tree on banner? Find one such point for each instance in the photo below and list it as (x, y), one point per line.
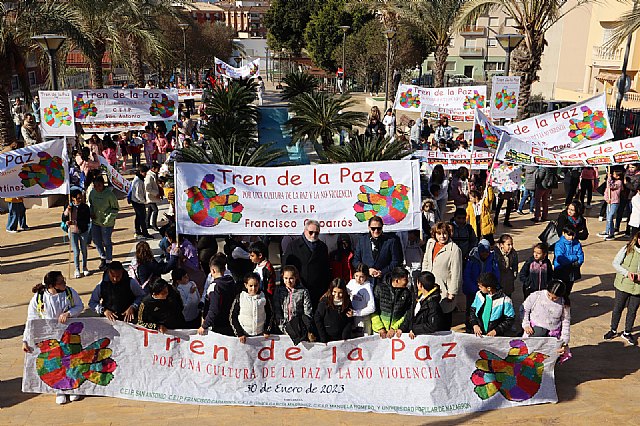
(391, 202)
(164, 108)
(56, 118)
(504, 100)
(473, 102)
(409, 100)
(84, 109)
(206, 207)
(592, 126)
(48, 172)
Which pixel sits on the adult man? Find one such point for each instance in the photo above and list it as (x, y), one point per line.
(118, 295)
(380, 252)
(311, 257)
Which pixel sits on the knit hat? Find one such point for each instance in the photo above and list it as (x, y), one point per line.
(484, 245)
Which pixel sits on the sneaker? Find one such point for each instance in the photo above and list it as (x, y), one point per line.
(86, 273)
(25, 228)
(600, 219)
(103, 265)
(609, 238)
(610, 335)
(629, 338)
(602, 234)
(138, 236)
(12, 231)
(534, 220)
(74, 398)
(61, 399)
(520, 212)
(76, 274)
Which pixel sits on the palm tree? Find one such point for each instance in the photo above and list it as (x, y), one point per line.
(320, 116)
(435, 20)
(232, 113)
(232, 152)
(533, 18)
(297, 83)
(366, 149)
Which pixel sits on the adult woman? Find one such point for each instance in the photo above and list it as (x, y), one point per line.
(444, 131)
(438, 178)
(104, 210)
(145, 268)
(77, 217)
(573, 215)
(30, 130)
(443, 258)
(52, 300)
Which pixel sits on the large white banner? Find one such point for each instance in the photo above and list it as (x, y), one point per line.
(454, 160)
(41, 169)
(118, 181)
(624, 151)
(215, 199)
(118, 105)
(444, 374)
(113, 127)
(577, 126)
(251, 70)
(505, 91)
(457, 103)
(56, 113)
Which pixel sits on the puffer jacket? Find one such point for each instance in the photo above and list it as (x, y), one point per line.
(393, 308)
(251, 315)
(568, 257)
(486, 218)
(502, 313)
(474, 267)
(530, 178)
(298, 301)
(534, 281)
(582, 233)
(427, 315)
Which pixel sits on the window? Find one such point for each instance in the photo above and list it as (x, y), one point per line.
(15, 83)
(450, 66)
(495, 66)
(32, 78)
(494, 21)
(492, 42)
(510, 22)
(469, 43)
(607, 34)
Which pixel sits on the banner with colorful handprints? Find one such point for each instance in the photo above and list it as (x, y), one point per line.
(485, 134)
(56, 113)
(453, 160)
(251, 70)
(122, 105)
(504, 96)
(431, 375)
(513, 150)
(41, 169)
(457, 103)
(116, 180)
(579, 125)
(218, 200)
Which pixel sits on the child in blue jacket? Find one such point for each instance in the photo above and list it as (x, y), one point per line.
(481, 260)
(492, 312)
(568, 258)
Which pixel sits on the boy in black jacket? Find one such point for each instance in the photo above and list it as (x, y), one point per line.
(427, 313)
(224, 293)
(161, 309)
(393, 305)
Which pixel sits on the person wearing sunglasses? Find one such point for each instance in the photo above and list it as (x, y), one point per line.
(380, 251)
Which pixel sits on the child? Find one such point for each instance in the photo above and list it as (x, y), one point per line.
(221, 298)
(627, 286)
(189, 295)
(508, 264)
(362, 301)
(258, 254)
(568, 258)
(334, 316)
(161, 309)
(251, 313)
(292, 307)
(459, 190)
(612, 196)
(52, 300)
(481, 260)
(413, 255)
(547, 315)
(537, 271)
(479, 213)
(393, 305)
(463, 234)
(427, 313)
(430, 216)
(492, 311)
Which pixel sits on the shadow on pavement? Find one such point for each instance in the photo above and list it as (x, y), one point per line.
(11, 332)
(11, 393)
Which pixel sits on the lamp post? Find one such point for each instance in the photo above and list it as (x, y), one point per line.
(51, 44)
(344, 29)
(184, 27)
(266, 60)
(509, 42)
(389, 34)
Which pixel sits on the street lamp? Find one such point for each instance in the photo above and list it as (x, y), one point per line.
(266, 60)
(344, 29)
(389, 34)
(184, 27)
(509, 42)
(51, 44)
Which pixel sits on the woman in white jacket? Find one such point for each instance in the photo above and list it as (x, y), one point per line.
(152, 190)
(52, 300)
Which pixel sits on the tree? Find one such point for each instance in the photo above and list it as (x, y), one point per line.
(533, 18)
(298, 83)
(320, 116)
(232, 115)
(367, 149)
(233, 152)
(286, 21)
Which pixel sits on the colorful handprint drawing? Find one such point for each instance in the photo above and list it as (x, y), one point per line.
(48, 172)
(206, 207)
(391, 202)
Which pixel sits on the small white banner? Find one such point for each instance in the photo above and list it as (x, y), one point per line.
(124, 105)
(56, 113)
(251, 70)
(454, 160)
(41, 169)
(443, 374)
(118, 181)
(457, 103)
(215, 199)
(505, 91)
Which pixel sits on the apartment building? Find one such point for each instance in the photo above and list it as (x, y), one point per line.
(244, 16)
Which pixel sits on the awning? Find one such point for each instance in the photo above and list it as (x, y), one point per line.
(609, 77)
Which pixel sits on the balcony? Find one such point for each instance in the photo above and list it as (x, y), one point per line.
(472, 52)
(473, 31)
(602, 55)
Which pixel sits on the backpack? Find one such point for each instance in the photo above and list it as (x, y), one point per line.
(40, 301)
(550, 180)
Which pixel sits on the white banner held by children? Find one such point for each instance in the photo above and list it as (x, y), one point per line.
(251, 70)
(214, 199)
(56, 113)
(118, 105)
(505, 91)
(454, 160)
(443, 374)
(41, 169)
(576, 126)
(118, 181)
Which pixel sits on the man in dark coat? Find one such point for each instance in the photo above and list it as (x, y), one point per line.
(380, 252)
(311, 257)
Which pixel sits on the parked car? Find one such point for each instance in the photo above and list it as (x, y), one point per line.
(457, 79)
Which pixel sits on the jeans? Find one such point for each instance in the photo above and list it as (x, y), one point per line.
(102, 240)
(135, 160)
(152, 215)
(17, 217)
(542, 203)
(632, 303)
(612, 209)
(79, 244)
(141, 218)
(525, 194)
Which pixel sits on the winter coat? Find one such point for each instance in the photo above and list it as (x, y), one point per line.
(341, 264)
(156, 312)
(138, 194)
(393, 308)
(290, 303)
(267, 276)
(459, 191)
(222, 297)
(332, 324)
(83, 217)
(447, 268)
(568, 257)
(502, 313)
(427, 315)
(486, 218)
(532, 280)
(362, 303)
(634, 217)
(582, 233)
(313, 266)
(613, 192)
(389, 255)
(152, 190)
(116, 297)
(145, 272)
(530, 178)
(474, 267)
(624, 263)
(251, 315)
(508, 265)
(465, 237)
